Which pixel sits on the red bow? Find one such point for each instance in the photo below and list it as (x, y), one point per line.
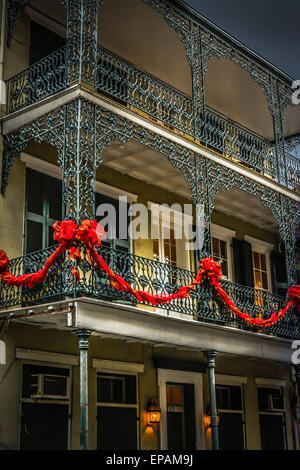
(294, 293)
(4, 262)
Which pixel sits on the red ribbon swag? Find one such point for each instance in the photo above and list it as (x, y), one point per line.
(68, 234)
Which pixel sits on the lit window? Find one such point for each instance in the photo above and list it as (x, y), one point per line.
(260, 270)
(219, 248)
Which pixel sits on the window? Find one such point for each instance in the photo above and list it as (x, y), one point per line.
(113, 241)
(165, 249)
(169, 242)
(261, 262)
(221, 248)
(231, 423)
(117, 412)
(260, 270)
(43, 208)
(45, 421)
(219, 251)
(271, 418)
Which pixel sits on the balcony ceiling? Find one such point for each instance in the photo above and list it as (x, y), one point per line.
(136, 32)
(135, 160)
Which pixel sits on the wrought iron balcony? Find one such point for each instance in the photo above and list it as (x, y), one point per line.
(40, 80)
(149, 275)
(137, 90)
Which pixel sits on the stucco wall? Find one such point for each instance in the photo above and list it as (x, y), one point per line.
(27, 337)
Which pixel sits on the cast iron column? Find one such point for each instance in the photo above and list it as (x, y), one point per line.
(82, 30)
(83, 337)
(212, 393)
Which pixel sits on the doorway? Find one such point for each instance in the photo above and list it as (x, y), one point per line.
(180, 394)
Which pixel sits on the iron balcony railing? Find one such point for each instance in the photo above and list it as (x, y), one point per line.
(149, 275)
(40, 80)
(122, 82)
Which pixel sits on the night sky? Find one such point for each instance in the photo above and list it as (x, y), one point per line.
(269, 27)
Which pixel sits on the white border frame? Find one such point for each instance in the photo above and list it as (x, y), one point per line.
(260, 246)
(179, 376)
(225, 234)
(179, 218)
(121, 368)
(68, 401)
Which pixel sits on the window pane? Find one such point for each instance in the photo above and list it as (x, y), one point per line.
(35, 191)
(263, 262)
(223, 249)
(34, 239)
(117, 389)
(51, 241)
(174, 395)
(257, 279)
(215, 246)
(256, 259)
(264, 280)
(231, 433)
(271, 432)
(155, 249)
(55, 198)
(118, 395)
(229, 397)
(104, 390)
(225, 268)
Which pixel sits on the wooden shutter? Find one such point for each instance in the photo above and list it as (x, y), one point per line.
(279, 272)
(243, 264)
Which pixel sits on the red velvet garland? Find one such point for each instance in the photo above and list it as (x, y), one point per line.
(67, 233)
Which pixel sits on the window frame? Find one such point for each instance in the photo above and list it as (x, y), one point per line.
(282, 413)
(176, 220)
(67, 401)
(226, 235)
(121, 374)
(44, 219)
(222, 382)
(265, 248)
(54, 171)
(178, 376)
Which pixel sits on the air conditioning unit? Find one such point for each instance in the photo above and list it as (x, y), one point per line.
(50, 386)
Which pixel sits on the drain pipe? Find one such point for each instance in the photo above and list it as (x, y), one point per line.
(212, 394)
(83, 337)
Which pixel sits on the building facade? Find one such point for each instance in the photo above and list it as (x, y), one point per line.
(147, 100)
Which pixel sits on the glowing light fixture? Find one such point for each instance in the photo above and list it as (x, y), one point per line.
(153, 412)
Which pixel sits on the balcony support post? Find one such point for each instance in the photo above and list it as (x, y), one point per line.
(198, 70)
(203, 205)
(83, 338)
(288, 226)
(212, 394)
(82, 31)
(79, 160)
(277, 110)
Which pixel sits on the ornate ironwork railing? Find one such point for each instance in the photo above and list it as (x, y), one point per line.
(129, 86)
(152, 276)
(122, 82)
(293, 171)
(42, 79)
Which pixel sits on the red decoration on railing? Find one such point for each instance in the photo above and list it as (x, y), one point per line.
(90, 233)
